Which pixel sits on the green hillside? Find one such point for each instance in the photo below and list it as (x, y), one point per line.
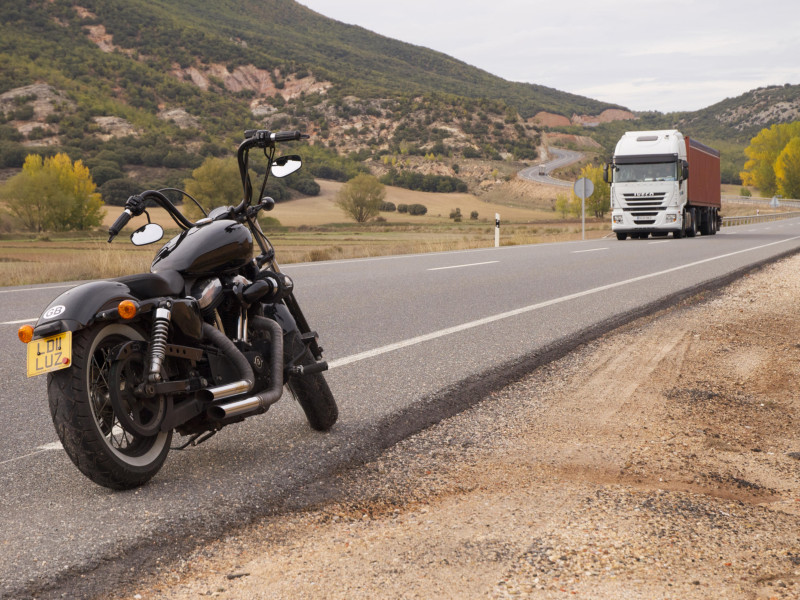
(131, 85)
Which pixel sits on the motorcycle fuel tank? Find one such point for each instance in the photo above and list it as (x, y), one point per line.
(210, 248)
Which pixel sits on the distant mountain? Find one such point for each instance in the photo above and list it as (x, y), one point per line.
(742, 117)
(163, 83)
(187, 69)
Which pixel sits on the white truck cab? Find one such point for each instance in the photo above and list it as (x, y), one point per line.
(650, 192)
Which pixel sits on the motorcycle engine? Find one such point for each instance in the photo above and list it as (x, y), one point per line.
(209, 294)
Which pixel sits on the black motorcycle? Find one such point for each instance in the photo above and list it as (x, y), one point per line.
(208, 338)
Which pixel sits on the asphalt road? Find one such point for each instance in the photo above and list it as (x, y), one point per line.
(562, 159)
(410, 339)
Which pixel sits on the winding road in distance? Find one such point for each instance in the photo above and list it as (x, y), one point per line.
(562, 159)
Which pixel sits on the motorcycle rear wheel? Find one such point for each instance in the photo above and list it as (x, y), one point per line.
(84, 417)
(311, 391)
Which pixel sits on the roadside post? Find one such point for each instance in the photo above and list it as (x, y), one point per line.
(583, 189)
(496, 230)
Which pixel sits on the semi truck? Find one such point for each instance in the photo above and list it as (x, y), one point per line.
(662, 182)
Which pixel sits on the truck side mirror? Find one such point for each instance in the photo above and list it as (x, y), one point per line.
(605, 172)
(684, 170)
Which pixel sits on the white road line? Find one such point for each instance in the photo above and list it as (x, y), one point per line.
(39, 450)
(592, 250)
(659, 242)
(18, 322)
(488, 262)
(49, 287)
(341, 362)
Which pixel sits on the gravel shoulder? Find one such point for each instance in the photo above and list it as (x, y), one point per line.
(660, 461)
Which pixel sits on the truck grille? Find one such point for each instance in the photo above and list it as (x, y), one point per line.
(650, 201)
(644, 209)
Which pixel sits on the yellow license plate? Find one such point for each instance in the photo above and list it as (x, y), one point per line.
(50, 354)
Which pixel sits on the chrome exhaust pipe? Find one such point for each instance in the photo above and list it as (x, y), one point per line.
(262, 401)
(236, 388)
(234, 409)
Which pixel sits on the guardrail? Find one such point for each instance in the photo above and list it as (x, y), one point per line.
(749, 219)
(760, 201)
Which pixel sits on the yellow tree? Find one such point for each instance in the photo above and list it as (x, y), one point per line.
(599, 202)
(562, 204)
(53, 194)
(763, 151)
(214, 183)
(787, 169)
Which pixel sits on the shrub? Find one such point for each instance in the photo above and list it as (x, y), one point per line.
(116, 191)
(270, 223)
(417, 209)
(387, 207)
(106, 172)
(402, 208)
(474, 215)
(304, 185)
(470, 152)
(455, 213)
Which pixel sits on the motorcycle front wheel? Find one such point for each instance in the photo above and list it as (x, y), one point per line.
(84, 417)
(311, 391)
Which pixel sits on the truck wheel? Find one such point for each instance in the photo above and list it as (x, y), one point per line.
(622, 236)
(691, 231)
(707, 226)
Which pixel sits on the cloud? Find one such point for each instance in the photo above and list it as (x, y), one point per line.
(644, 54)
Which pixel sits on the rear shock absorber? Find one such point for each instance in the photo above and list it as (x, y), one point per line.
(158, 341)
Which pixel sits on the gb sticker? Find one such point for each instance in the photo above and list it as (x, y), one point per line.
(54, 311)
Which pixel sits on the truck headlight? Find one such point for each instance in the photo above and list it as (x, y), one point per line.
(671, 218)
(617, 219)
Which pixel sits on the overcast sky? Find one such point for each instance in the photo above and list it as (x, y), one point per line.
(666, 55)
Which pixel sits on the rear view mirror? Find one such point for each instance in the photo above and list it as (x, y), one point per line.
(286, 165)
(147, 234)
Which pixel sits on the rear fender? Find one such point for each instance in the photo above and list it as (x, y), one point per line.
(77, 308)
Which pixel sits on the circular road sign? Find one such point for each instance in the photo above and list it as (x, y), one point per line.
(583, 188)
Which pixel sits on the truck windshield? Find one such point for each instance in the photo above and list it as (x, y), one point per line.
(647, 172)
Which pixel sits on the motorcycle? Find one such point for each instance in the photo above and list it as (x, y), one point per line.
(209, 337)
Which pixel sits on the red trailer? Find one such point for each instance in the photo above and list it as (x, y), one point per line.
(704, 177)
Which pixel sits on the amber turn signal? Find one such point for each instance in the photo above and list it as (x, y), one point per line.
(25, 333)
(127, 309)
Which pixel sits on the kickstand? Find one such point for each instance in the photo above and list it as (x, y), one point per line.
(197, 439)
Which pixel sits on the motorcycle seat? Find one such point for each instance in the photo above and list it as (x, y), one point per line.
(153, 285)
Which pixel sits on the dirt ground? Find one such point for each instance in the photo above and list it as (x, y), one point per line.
(660, 461)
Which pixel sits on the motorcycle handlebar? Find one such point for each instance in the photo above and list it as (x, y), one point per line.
(121, 221)
(263, 137)
(135, 206)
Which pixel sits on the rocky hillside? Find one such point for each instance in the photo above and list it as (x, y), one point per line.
(134, 84)
(186, 78)
(744, 116)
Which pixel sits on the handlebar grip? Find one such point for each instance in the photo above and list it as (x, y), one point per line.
(121, 221)
(287, 136)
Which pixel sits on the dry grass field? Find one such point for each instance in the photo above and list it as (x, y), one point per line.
(314, 229)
